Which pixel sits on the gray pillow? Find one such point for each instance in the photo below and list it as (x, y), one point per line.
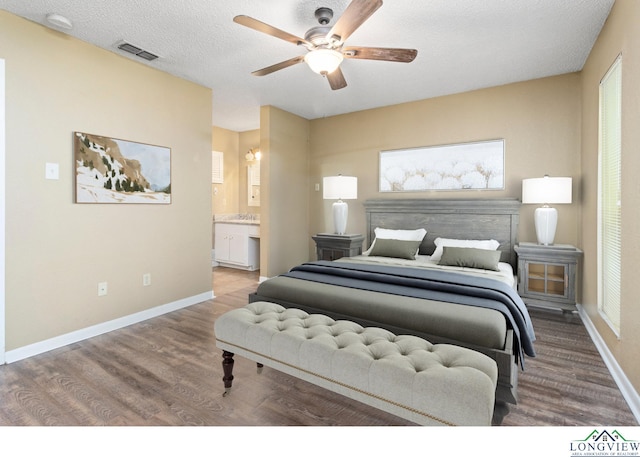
(401, 249)
(483, 259)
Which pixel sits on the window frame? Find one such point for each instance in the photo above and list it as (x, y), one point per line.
(610, 196)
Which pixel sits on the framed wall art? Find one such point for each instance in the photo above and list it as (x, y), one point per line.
(109, 170)
(464, 166)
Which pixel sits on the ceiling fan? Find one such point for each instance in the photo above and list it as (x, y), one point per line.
(325, 44)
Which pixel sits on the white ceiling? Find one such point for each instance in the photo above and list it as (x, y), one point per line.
(462, 45)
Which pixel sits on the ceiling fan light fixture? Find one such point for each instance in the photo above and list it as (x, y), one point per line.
(323, 61)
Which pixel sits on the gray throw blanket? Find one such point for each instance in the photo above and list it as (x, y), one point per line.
(446, 286)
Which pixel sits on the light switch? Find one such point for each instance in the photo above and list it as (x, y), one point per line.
(52, 171)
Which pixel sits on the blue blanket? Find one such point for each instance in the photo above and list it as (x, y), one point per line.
(446, 286)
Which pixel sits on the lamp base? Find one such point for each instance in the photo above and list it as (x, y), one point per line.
(340, 213)
(546, 220)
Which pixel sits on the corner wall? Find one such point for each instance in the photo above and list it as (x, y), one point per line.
(284, 186)
(224, 197)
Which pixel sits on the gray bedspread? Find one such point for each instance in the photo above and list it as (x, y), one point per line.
(438, 285)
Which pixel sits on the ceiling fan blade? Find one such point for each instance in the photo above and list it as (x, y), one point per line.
(387, 54)
(353, 17)
(336, 79)
(269, 30)
(278, 66)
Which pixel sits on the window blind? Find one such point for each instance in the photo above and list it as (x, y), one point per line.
(610, 199)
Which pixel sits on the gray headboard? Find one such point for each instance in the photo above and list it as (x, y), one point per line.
(449, 218)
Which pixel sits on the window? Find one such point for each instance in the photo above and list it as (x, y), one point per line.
(609, 195)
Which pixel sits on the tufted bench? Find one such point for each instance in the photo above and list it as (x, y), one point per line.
(429, 384)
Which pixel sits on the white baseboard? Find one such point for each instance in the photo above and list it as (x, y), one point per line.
(98, 329)
(625, 386)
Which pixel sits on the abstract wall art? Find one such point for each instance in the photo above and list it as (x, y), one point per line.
(465, 166)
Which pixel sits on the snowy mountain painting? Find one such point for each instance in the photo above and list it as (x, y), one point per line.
(451, 167)
(117, 171)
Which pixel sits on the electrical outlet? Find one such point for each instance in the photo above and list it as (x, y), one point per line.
(102, 289)
(146, 279)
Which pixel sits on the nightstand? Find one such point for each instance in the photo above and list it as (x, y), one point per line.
(547, 275)
(331, 246)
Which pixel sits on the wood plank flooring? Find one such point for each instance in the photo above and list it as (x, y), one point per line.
(167, 371)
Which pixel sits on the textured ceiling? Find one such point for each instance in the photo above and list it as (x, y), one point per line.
(462, 45)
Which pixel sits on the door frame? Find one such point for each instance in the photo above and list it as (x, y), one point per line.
(2, 212)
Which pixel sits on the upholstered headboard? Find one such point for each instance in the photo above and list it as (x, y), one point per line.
(449, 218)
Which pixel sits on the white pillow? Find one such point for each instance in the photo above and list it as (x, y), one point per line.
(440, 243)
(409, 235)
(391, 234)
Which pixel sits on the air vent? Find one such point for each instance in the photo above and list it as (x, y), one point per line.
(131, 49)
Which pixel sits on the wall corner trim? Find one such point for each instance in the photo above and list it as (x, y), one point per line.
(625, 386)
(104, 327)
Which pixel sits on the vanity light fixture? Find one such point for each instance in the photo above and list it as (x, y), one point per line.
(250, 156)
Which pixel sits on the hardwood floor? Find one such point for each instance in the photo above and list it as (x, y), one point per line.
(167, 371)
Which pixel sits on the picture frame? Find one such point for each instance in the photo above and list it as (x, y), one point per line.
(111, 170)
(464, 166)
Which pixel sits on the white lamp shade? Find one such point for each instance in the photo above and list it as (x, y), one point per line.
(546, 190)
(340, 188)
(323, 61)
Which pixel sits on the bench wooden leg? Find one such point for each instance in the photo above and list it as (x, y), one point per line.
(227, 368)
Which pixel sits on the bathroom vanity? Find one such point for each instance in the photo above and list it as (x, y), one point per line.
(237, 243)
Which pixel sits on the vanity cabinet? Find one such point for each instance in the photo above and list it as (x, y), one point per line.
(238, 245)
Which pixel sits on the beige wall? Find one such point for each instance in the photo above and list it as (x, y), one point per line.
(620, 34)
(225, 197)
(284, 183)
(539, 121)
(58, 251)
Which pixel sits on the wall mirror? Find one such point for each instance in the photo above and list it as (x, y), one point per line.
(253, 182)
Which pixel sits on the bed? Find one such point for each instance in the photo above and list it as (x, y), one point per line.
(406, 293)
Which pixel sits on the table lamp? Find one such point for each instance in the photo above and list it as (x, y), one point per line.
(545, 191)
(340, 188)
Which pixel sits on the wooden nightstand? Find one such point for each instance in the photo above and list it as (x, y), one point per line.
(331, 246)
(547, 275)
